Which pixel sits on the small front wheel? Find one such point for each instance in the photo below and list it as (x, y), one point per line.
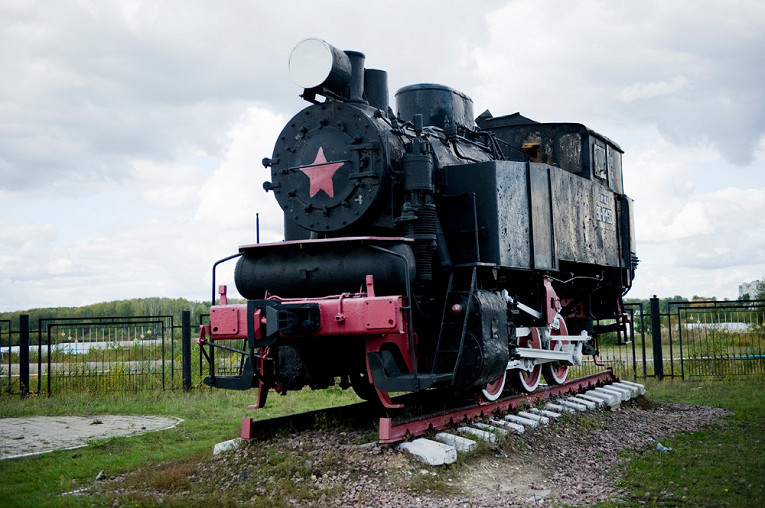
(493, 390)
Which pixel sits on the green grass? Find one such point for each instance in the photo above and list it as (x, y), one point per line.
(721, 465)
(210, 416)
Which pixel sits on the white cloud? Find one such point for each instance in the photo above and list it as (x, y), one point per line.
(60, 266)
(650, 90)
(131, 134)
(172, 196)
(234, 194)
(168, 185)
(616, 65)
(691, 220)
(150, 254)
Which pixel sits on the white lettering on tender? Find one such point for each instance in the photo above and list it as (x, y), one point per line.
(604, 213)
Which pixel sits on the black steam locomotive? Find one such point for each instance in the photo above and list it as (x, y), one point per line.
(424, 249)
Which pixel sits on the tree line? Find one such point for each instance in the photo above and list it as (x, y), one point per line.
(664, 302)
(144, 307)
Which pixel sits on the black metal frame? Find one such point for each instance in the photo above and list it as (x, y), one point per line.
(10, 331)
(52, 323)
(631, 307)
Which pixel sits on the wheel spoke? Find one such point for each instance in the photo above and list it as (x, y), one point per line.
(523, 380)
(555, 373)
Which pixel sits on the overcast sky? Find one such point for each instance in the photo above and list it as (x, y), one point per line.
(131, 133)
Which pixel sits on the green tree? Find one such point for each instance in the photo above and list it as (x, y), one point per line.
(134, 307)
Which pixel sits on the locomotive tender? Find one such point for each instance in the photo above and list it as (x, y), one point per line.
(425, 249)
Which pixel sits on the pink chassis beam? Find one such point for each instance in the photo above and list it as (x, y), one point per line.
(391, 432)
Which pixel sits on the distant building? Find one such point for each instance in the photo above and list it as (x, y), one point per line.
(750, 288)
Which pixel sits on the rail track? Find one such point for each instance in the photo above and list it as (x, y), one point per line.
(432, 413)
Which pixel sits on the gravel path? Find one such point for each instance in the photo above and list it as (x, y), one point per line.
(571, 461)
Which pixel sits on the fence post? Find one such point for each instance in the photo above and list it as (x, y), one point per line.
(24, 354)
(658, 359)
(186, 349)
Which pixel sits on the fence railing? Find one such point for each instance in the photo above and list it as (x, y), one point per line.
(6, 360)
(95, 354)
(687, 340)
(713, 339)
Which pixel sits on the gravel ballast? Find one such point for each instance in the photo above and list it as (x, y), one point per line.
(573, 461)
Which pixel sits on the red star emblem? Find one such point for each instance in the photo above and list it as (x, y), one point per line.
(320, 172)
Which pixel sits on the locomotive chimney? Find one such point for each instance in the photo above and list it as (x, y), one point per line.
(356, 92)
(376, 88)
(321, 68)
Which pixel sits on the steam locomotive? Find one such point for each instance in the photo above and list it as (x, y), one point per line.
(424, 249)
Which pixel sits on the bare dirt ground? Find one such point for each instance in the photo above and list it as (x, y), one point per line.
(574, 461)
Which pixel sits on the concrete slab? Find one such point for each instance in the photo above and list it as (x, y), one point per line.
(520, 420)
(599, 402)
(544, 420)
(582, 402)
(616, 394)
(490, 428)
(601, 399)
(546, 413)
(626, 394)
(431, 452)
(572, 405)
(559, 408)
(641, 388)
(515, 427)
(609, 398)
(231, 444)
(478, 433)
(634, 390)
(461, 444)
(32, 435)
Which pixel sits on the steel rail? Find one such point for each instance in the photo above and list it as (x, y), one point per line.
(393, 432)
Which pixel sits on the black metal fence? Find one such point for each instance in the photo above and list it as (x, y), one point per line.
(6, 358)
(713, 339)
(687, 340)
(95, 354)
